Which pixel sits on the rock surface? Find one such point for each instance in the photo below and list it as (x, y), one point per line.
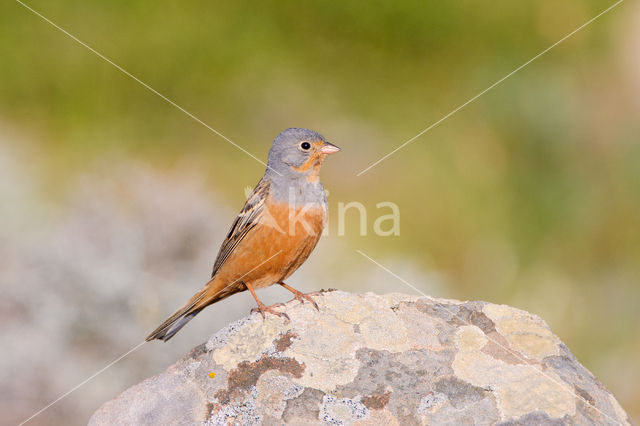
(365, 359)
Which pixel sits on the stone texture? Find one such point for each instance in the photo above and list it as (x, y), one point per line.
(365, 359)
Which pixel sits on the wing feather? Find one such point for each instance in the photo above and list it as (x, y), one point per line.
(247, 219)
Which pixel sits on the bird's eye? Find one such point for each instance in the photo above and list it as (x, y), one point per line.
(305, 146)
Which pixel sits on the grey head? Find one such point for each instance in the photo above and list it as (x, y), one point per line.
(294, 165)
(298, 153)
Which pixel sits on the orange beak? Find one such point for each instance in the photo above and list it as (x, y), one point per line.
(329, 148)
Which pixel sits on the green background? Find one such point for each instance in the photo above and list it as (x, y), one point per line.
(528, 196)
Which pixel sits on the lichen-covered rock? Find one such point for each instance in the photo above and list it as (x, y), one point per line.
(369, 360)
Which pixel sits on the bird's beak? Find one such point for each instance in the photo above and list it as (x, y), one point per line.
(329, 148)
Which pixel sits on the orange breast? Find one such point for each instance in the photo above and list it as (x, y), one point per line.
(276, 247)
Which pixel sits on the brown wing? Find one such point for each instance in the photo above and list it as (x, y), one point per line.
(246, 220)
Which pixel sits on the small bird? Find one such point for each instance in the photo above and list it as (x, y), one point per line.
(275, 232)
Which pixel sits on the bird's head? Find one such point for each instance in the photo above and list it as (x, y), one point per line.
(298, 152)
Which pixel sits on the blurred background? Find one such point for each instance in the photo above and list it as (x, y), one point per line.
(113, 203)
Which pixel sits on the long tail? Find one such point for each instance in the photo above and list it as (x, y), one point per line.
(180, 318)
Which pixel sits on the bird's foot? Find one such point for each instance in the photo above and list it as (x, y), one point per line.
(300, 296)
(262, 308)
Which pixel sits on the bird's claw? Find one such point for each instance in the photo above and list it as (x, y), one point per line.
(262, 309)
(302, 297)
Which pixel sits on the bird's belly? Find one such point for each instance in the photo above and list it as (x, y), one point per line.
(276, 247)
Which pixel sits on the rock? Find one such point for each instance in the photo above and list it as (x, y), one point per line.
(365, 359)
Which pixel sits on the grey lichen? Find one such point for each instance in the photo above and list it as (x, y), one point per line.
(342, 411)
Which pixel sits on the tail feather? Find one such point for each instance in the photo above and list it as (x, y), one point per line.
(212, 292)
(179, 319)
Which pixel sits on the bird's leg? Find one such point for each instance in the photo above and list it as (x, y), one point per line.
(298, 295)
(262, 308)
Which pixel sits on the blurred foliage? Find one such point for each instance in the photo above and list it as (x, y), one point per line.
(528, 196)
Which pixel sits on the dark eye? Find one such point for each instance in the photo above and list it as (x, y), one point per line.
(305, 146)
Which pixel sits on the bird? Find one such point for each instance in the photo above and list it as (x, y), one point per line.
(274, 233)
